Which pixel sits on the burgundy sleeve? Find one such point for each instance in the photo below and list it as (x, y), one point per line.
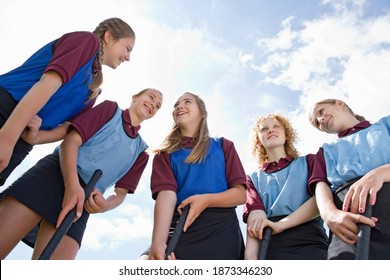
(253, 200)
(91, 121)
(235, 173)
(131, 179)
(162, 175)
(318, 173)
(71, 52)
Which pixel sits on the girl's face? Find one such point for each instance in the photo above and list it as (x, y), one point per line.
(147, 104)
(186, 112)
(271, 133)
(117, 51)
(329, 117)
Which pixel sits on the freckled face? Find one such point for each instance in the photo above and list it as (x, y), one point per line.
(271, 133)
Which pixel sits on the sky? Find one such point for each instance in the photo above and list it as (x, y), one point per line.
(244, 58)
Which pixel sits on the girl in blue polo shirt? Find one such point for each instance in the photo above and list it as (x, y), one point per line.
(356, 166)
(105, 137)
(191, 167)
(277, 196)
(56, 83)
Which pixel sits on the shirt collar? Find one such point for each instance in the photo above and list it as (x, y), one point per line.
(351, 130)
(131, 130)
(273, 165)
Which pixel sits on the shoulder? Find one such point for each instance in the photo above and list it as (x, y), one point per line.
(78, 40)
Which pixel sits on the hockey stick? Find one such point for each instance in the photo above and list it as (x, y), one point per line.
(267, 232)
(363, 242)
(177, 232)
(67, 222)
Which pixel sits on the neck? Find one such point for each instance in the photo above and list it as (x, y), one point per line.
(135, 119)
(275, 154)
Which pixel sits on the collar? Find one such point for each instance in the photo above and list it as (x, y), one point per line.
(351, 130)
(274, 166)
(131, 130)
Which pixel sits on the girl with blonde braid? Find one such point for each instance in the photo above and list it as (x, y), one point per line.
(55, 84)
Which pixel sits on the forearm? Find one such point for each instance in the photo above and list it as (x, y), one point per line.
(30, 104)
(54, 135)
(68, 158)
(306, 212)
(116, 199)
(324, 199)
(252, 248)
(163, 213)
(232, 197)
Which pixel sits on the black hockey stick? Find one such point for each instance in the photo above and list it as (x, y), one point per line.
(363, 242)
(267, 232)
(177, 232)
(67, 222)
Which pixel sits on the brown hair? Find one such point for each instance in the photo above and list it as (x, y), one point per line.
(313, 120)
(258, 150)
(118, 29)
(173, 141)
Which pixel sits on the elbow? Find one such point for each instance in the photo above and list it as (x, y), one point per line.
(241, 195)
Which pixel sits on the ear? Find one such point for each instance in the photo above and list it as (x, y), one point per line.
(107, 37)
(340, 103)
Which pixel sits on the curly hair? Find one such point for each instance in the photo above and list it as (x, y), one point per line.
(257, 148)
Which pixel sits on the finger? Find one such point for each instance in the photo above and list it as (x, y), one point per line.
(62, 216)
(347, 200)
(362, 201)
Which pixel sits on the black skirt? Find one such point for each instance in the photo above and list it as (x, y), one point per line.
(21, 149)
(214, 235)
(42, 189)
(307, 241)
(380, 234)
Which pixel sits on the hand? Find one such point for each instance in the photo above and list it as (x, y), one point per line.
(345, 224)
(30, 134)
(257, 221)
(73, 197)
(96, 203)
(5, 153)
(368, 185)
(157, 251)
(197, 204)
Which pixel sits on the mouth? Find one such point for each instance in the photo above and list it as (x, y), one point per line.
(148, 109)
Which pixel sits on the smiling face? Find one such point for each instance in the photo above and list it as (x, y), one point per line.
(187, 115)
(145, 105)
(329, 117)
(116, 51)
(271, 133)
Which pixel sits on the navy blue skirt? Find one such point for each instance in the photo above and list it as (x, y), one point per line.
(307, 241)
(42, 189)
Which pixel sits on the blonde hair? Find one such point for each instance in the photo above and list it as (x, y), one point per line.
(118, 29)
(173, 141)
(258, 150)
(312, 117)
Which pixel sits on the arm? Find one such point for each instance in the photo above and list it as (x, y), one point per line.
(343, 224)
(26, 109)
(306, 212)
(232, 197)
(34, 136)
(74, 193)
(163, 213)
(369, 184)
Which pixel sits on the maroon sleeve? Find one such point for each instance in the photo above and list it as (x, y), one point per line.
(71, 52)
(91, 121)
(318, 173)
(235, 173)
(131, 179)
(253, 200)
(162, 175)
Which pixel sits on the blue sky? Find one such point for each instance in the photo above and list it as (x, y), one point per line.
(245, 58)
